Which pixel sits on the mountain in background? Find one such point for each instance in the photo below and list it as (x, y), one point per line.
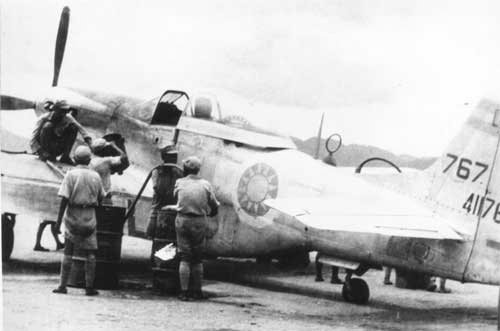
(352, 155)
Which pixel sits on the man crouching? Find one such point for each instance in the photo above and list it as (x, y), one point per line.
(81, 191)
(55, 133)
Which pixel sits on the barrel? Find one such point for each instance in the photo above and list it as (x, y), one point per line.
(110, 220)
(165, 273)
(412, 280)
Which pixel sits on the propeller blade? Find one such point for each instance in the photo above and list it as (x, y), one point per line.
(62, 35)
(8, 102)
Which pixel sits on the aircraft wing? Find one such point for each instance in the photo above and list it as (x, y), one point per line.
(29, 186)
(384, 214)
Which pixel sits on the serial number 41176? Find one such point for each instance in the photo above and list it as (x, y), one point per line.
(482, 206)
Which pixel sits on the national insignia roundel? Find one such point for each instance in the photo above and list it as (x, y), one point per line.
(258, 183)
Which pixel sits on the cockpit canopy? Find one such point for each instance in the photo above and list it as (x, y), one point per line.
(204, 107)
(234, 112)
(169, 108)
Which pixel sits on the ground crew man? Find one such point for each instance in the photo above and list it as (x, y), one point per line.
(319, 272)
(104, 164)
(81, 191)
(163, 179)
(195, 201)
(55, 133)
(442, 285)
(387, 275)
(39, 233)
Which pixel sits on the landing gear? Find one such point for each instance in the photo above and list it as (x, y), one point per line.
(355, 290)
(8, 222)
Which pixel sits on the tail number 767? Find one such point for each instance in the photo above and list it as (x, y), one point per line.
(466, 168)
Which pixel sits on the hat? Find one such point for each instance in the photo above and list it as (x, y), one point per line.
(192, 163)
(82, 154)
(61, 104)
(98, 144)
(170, 149)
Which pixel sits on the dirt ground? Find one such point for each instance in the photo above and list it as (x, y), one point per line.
(243, 296)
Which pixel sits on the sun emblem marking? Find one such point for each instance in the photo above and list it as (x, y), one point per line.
(258, 183)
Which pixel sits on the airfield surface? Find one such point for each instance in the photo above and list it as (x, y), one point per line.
(243, 296)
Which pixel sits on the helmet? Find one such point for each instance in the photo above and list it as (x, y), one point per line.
(62, 105)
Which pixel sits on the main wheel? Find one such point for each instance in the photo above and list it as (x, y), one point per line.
(356, 291)
(8, 221)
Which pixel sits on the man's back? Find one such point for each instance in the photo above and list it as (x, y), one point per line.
(194, 195)
(164, 179)
(103, 166)
(81, 186)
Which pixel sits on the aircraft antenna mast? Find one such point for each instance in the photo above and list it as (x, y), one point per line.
(318, 141)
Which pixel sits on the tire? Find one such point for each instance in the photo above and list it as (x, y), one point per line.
(7, 236)
(356, 291)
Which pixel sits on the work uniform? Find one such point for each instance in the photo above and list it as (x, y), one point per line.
(104, 166)
(194, 198)
(56, 138)
(83, 189)
(163, 179)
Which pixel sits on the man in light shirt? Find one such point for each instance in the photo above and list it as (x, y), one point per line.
(81, 192)
(195, 202)
(104, 164)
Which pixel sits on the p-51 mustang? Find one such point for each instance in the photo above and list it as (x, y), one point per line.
(279, 202)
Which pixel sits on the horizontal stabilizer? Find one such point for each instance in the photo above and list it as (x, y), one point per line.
(319, 213)
(336, 262)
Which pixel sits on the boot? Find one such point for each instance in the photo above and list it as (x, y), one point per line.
(40, 248)
(183, 296)
(60, 290)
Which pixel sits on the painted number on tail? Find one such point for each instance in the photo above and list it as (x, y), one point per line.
(466, 168)
(482, 206)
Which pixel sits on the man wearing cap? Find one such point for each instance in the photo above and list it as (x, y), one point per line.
(104, 164)
(81, 191)
(55, 133)
(163, 179)
(195, 201)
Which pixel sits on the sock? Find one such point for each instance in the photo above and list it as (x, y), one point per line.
(66, 263)
(90, 271)
(197, 270)
(184, 274)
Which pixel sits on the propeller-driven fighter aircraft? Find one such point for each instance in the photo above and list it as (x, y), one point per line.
(279, 202)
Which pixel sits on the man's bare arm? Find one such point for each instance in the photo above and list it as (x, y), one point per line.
(62, 208)
(123, 156)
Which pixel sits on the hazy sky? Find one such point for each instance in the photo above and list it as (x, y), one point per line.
(402, 75)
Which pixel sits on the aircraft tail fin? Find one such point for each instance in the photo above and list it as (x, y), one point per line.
(466, 176)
